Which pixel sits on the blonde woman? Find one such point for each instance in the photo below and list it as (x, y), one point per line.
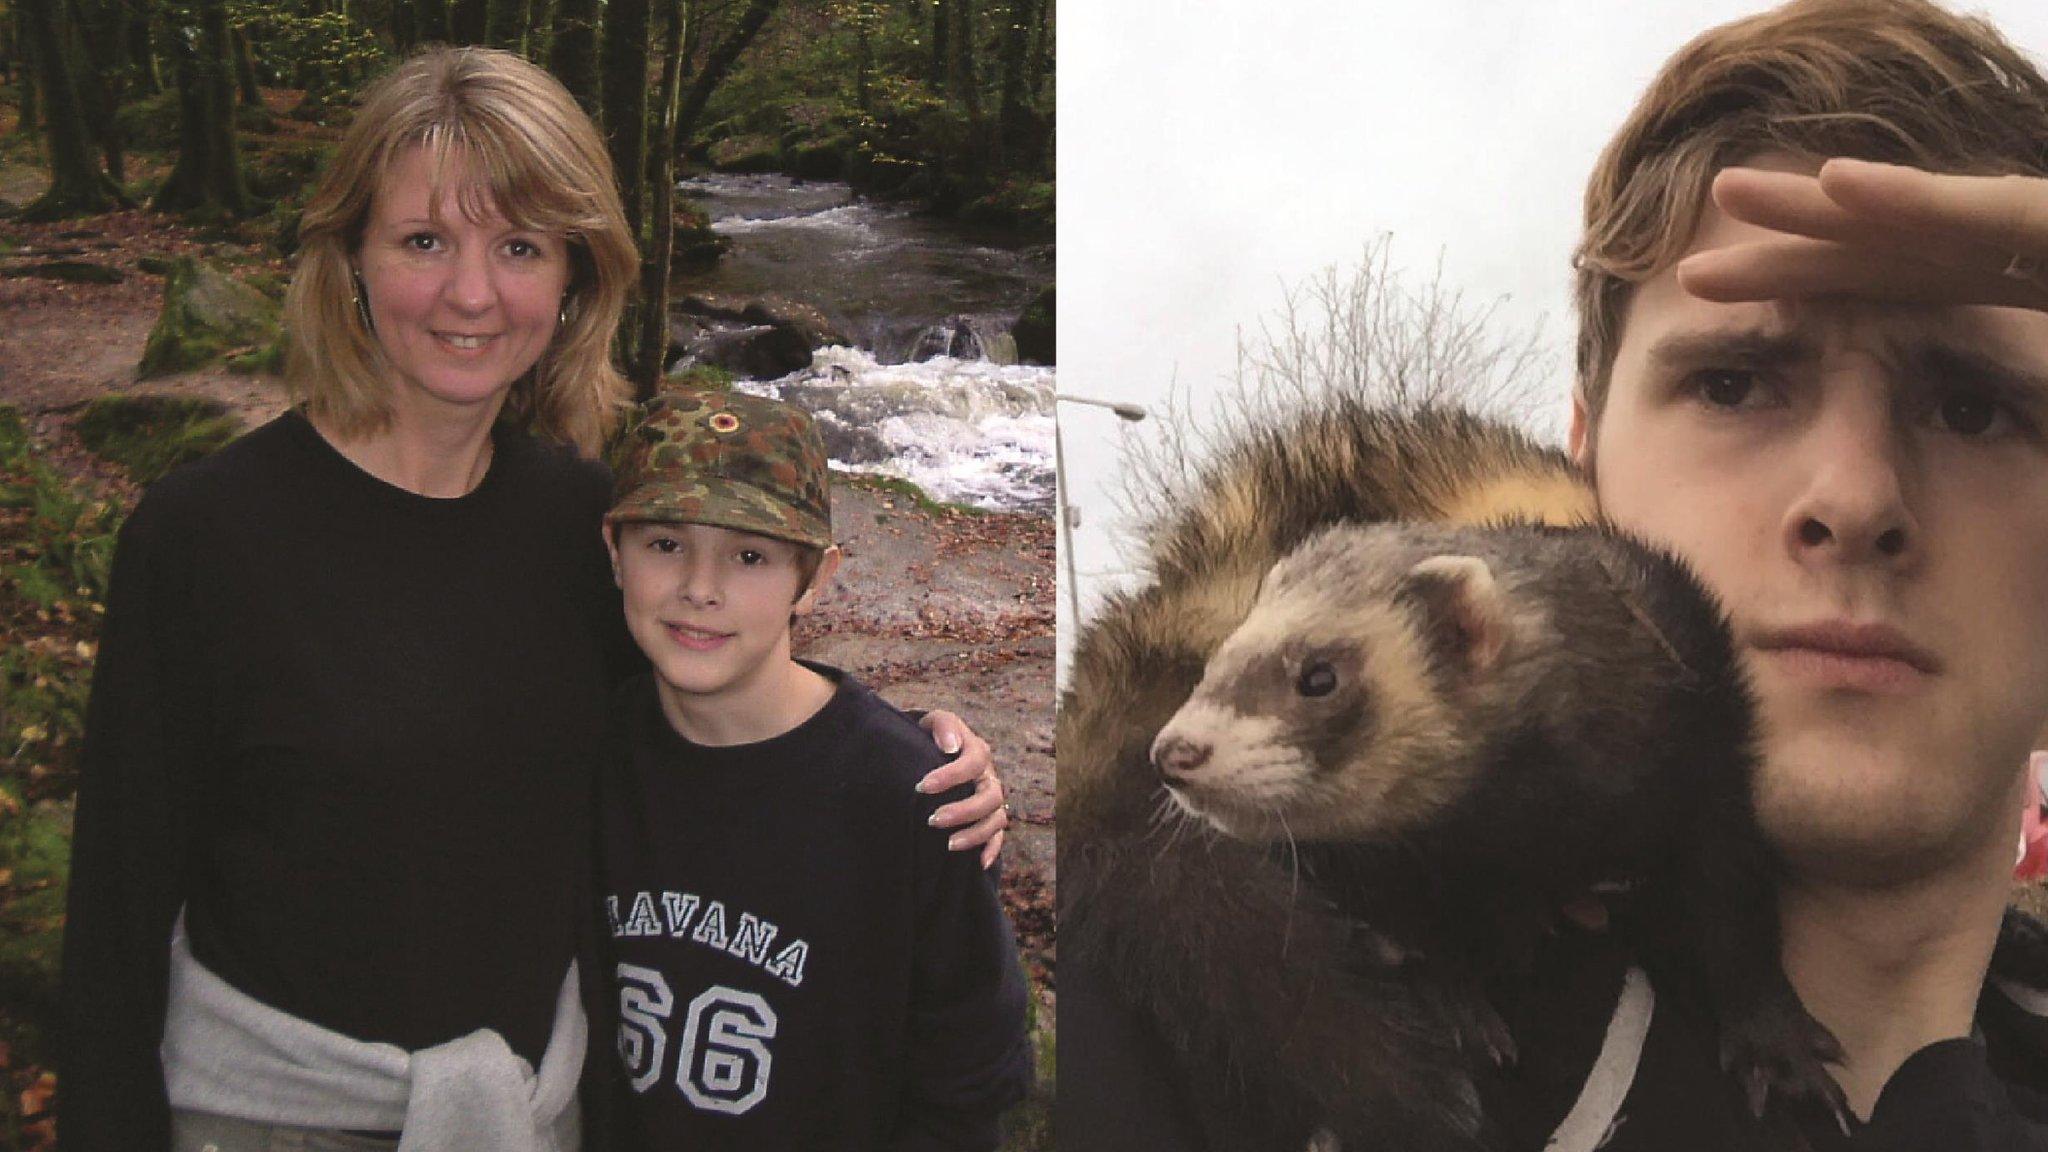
(331, 830)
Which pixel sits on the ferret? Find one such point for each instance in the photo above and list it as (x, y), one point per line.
(1290, 1016)
(1462, 730)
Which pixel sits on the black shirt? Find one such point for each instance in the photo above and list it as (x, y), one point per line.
(1642, 1069)
(798, 961)
(348, 728)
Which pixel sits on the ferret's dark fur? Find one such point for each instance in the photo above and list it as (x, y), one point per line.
(1602, 730)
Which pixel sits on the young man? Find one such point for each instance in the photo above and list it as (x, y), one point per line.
(797, 961)
(1826, 388)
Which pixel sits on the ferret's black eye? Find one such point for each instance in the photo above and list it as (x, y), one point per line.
(1317, 679)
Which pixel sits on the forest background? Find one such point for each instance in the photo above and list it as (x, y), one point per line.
(160, 150)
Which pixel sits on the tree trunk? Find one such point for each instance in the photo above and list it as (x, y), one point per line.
(624, 73)
(430, 18)
(135, 44)
(208, 176)
(468, 21)
(960, 73)
(77, 185)
(1014, 122)
(724, 55)
(573, 55)
(942, 57)
(505, 24)
(245, 71)
(405, 25)
(1041, 53)
(98, 25)
(28, 75)
(653, 346)
(540, 30)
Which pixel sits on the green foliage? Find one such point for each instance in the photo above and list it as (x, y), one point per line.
(908, 490)
(150, 435)
(287, 169)
(265, 361)
(35, 860)
(56, 553)
(709, 377)
(849, 94)
(1029, 1126)
(308, 46)
(151, 124)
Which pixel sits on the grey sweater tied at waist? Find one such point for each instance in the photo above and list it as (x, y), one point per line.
(229, 1054)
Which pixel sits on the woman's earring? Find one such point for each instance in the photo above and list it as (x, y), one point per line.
(562, 314)
(362, 305)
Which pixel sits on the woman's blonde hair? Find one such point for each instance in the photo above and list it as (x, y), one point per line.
(527, 150)
(1893, 80)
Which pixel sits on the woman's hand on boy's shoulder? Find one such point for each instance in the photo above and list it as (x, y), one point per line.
(980, 818)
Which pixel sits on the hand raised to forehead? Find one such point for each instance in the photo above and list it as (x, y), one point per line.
(1880, 232)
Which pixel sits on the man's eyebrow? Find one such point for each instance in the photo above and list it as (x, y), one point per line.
(1748, 348)
(1958, 364)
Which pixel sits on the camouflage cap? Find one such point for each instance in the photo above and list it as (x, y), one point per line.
(729, 460)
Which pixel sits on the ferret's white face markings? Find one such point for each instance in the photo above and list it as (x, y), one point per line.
(1877, 470)
(1320, 717)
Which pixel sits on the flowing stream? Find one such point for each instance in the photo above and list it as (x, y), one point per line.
(928, 388)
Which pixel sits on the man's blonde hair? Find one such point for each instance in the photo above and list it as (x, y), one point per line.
(526, 148)
(1902, 81)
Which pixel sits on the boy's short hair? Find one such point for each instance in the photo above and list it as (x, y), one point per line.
(729, 460)
(1902, 81)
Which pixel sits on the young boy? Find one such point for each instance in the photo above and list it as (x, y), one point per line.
(796, 960)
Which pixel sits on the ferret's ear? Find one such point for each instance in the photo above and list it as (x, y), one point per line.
(1463, 613)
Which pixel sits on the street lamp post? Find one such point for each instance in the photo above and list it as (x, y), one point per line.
(1070, 516)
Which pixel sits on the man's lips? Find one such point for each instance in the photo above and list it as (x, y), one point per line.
(1844, 654)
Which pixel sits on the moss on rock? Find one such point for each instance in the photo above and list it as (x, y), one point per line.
(1037, 342)
(150, 435)
(206, 312)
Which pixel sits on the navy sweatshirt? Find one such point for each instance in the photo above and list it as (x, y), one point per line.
(796, 960)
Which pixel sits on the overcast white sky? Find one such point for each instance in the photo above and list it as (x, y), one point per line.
(1212, 153)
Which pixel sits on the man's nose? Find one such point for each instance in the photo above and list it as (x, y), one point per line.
(1855, 506)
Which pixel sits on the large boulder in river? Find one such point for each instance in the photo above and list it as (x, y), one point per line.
(757, 339)
(1034, 330)
(206, 313)
(754, 351)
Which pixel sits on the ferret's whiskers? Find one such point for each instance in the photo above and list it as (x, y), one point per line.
(1294, 881)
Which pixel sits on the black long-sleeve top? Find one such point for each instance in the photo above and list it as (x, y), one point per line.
(796, 960)
(1121, 1087)
(348, 728)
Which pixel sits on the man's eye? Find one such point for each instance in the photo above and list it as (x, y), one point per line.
(750, 557)
(1971, 413)
(663, 544)
(1727, 387)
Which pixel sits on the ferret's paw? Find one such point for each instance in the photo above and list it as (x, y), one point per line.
(1779, 1048)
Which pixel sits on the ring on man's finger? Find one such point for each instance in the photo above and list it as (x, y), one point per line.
(1009, 811)
(2026, 266)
